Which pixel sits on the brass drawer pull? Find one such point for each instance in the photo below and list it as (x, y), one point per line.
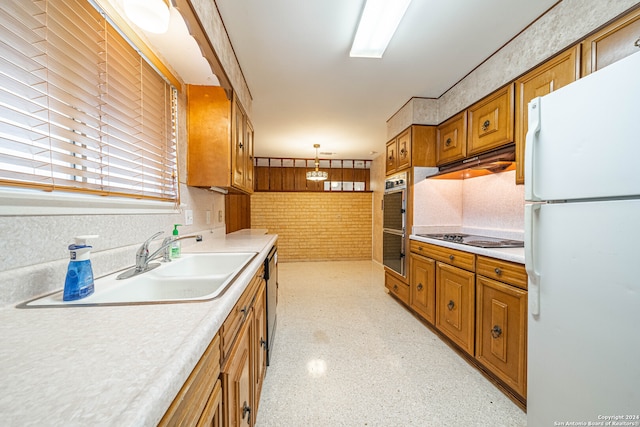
(451, 305)
(447, 142)
(419, 286)
(486, 125)
(395, 288)
(451, 257)
(496, 331)
(246, 410)
(498, 271)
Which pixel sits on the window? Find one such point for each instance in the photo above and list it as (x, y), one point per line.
(80, 109)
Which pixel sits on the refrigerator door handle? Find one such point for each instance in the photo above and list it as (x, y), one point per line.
(532, 132)
(531, 210)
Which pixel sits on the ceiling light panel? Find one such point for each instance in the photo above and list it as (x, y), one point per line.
(378, 23)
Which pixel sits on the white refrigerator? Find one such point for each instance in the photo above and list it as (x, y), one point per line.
(582, 250)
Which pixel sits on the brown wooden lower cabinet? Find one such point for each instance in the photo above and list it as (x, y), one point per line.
(237, 379)
(224, 388)
(213, 415)
(455, 305)
(501, 332)
(477, 302)
(193, 399)
(260, 343)
(423, 287)
(396, 287)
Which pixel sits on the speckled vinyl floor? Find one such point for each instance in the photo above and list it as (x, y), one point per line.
(347, 354)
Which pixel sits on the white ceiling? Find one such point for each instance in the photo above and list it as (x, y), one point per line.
(306, 89)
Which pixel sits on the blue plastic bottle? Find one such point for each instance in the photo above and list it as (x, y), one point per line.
(79, 281)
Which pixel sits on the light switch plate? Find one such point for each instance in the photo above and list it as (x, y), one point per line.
(208, 217)
(188, 217)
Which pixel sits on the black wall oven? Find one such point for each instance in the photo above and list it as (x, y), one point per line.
(394, 223)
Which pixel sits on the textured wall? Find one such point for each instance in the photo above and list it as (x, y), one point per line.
(568, 22)
(316, 226)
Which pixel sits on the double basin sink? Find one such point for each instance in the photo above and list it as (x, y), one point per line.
(193, 277)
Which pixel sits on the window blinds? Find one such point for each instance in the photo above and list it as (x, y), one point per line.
(80, 109)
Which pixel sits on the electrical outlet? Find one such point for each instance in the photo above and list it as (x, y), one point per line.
(208, 217)
(219, 216)
(188, 217)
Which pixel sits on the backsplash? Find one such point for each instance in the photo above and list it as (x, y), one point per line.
(36, 256)
(492, 202)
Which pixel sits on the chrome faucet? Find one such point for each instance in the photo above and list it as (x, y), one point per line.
(143, 259)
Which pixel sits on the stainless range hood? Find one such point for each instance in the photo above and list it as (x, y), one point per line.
(500, 160)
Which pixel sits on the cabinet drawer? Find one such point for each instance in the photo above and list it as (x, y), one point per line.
(236, 318)
(504, 271)
(455, 257)
(452, 139)
(191, 400)
(397, 288)
(491, 122)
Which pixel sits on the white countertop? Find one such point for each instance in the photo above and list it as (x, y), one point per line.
(506, 254)
(117, 365)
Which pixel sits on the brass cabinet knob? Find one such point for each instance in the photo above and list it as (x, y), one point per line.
(447, 142)
(451, 305)
(451, 257)
(395, 288)
(498, 271)
(486, 125)
(419, 286)
(496, 331)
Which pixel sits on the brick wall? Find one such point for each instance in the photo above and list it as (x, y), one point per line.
(316, 226)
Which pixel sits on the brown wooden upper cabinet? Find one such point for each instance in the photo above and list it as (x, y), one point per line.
(414, 146)
(220, 141)
(399, 152)
(486, 125)
(491, 121)
(452, 139)
(612, 43)
(550, 76)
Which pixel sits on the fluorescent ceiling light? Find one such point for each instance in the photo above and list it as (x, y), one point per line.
(378, 23)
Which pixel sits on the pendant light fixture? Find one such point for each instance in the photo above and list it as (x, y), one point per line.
(317, 175)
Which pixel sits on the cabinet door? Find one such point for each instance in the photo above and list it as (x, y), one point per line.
(501, 333)
(550, 76)
(403, 146)
(491, 121)
(423, 287)
(455, 305)
(237, 379)
(452, 139)
(212, 416)
(260, 342)
(249, 182)
(239, 148)
(612, 43)
(392, 156)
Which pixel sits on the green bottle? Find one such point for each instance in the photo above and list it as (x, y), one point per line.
(175, 245)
